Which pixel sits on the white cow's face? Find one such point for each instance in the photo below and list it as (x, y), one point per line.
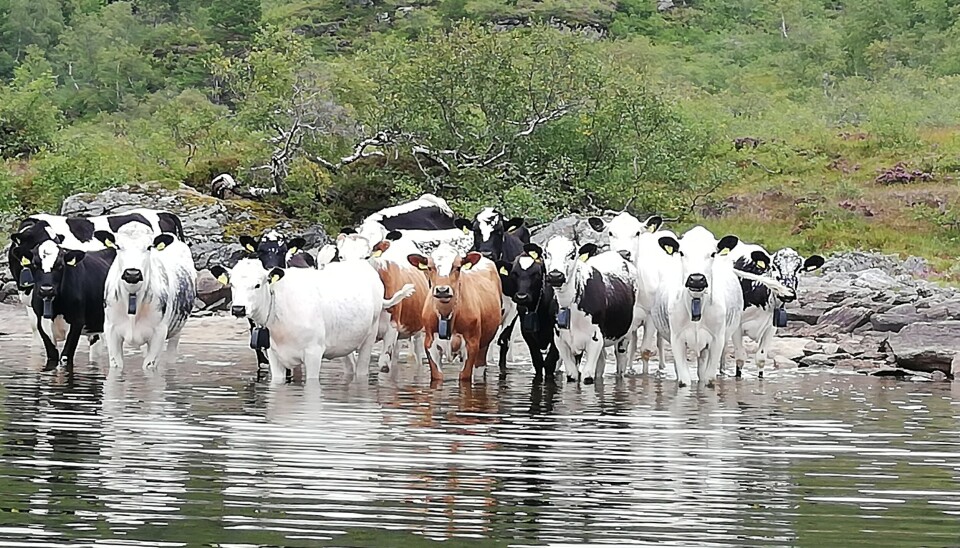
(135, 244)
(353, 247)
(697, 251)
(786, 265)
(560, 260)
(623, 232)
(249, 284)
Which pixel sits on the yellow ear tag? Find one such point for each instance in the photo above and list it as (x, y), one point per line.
(503, 270)
(108, 243)
(668, 249)
(72, 262)
(466, 230)
(584, 257)
(292, 250)
(223, 279)
(533, 255)
(724, 251)
(275, 278)
(421, 266)
(466, 266)
(761, 264)
(24, 261)
(376, 253)
(160, 246)
(251, 249)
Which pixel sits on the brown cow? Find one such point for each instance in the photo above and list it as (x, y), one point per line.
(464, 303)
(405, 320)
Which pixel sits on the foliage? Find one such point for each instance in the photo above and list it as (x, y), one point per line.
(28, 117)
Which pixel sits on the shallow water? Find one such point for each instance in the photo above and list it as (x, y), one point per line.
(202, 454)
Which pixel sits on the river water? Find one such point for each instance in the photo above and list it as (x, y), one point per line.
(200, 454)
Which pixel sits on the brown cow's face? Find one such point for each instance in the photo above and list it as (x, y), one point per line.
(443, 269)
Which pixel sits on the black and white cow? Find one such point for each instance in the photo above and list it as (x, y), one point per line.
(149, 294)
(524, 280)
(596, 294)
(69, 285)
(276, 250)
(427, 221)
(763, 309)
(498, 239)
(73, 233)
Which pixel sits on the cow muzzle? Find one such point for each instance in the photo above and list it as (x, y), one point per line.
(46, 291)
(555, 278)
(522, 298)
(696, 282)
(132, 276)
(443, 293)
(625, 254)
(238, 311)
(488, 255)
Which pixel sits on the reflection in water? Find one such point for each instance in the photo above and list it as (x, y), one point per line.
(201, 454)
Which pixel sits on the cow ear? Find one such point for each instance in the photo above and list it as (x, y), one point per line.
(669, 244)
(72, 257)
(393, 235)
(534, 252)
(248, 244)
(59, 239)
(162, 241)
(380, 248)
(653, 224)
(464, 224)
(276, 275)
(348, 230)
(813, 262)
(341, 237)
(470, 260)
(106, 238)
(418, 261)
(327, 254)
(296, 244)
(503, 267)
(220, 274)
(587, 251)
(727, 243)
(597, 223)
(15, 240)
(514, 224)
(761, 259)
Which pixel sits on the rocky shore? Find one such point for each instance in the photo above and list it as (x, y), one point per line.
(864, 311)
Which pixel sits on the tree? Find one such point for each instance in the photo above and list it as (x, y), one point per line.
(28, 23)
(234, 21)
(28, 117)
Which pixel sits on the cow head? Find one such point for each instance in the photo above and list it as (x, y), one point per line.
(136, 245)
(561, 258)
(22, 246)
(48, 263)
(624, 231)
(489, 228)
(443, 269)
(786, 265)
(525, 277)
(353, 247)
(273, 249)
(250, 285)
(697, 253)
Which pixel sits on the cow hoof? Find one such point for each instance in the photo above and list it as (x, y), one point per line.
(588, 380)
(710, 384)
(681, 384)
(571, 379)
(51, 365)
(739, 373)
(760, 375)
(385, 369)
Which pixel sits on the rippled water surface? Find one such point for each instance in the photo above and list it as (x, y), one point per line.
(201, 454)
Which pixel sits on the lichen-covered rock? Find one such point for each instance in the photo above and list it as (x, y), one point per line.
(211, 225)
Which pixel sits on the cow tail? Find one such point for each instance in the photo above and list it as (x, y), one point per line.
(404, 292)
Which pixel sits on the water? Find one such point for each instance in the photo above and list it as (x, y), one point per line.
(201, 454)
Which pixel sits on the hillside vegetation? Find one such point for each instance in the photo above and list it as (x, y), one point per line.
(824, 124)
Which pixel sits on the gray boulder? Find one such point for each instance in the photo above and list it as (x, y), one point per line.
(928, 347)
(574, 227)
(843, 319)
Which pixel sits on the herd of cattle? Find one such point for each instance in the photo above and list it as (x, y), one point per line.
(415, 271)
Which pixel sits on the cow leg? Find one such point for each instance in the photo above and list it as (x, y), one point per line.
(261, 353)
(170, 354)
(739, 351)
(624, 355)
(114, 346)
(680, 361)
(32, 319)
(95, 348)
(503, 341)
(536, 356)
(278, 371)
(568, 358)
(433, 358)
(312, 361)
(588, 363)
(70, 346)
(154, 347)
(764, 342)
(711, 363)
(416, 345)
(49, 345)
(648, 342)
(550, 362)
(473, 356)
(390, 349)
(364, 353)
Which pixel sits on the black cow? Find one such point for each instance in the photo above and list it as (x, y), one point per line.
(275, 251)
(69, 284)
(425, 213)
(537, 307)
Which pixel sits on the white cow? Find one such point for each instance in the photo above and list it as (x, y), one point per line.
(149, 294)
(637, 241)
(597, 292)
(763, 308)
(313, 315)
(699, 309)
